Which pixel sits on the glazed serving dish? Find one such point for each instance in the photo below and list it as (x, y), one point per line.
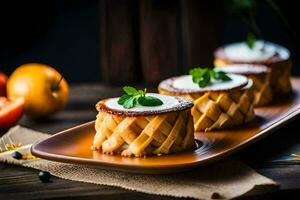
(74, 145)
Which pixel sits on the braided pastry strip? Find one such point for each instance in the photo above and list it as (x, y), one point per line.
(144, 135)
(279, 76)
(217, 110)
(261, 89)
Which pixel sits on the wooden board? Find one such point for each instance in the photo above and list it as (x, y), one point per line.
(159, 39)
(73, 145)
(118, 45)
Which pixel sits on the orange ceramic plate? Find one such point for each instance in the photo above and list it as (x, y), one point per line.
(74, 145)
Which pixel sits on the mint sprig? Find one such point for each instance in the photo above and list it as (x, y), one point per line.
(250, 40)
(203, 76)
(133, 97)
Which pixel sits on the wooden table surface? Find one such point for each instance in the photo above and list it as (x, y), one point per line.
(269, 157)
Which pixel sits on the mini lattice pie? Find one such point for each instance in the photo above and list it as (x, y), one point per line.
(260, 75)
(276, 57)
(143, 130)
(218, 105)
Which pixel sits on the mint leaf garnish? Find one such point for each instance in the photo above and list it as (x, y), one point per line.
(150, 101)
(203, 76)
(250, 40)
(132, 97)
(130, 102)
(130, 90)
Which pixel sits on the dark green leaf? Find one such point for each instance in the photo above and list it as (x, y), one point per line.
(123, 98)
(205, 79)
(219, 75)
(133, 96)
(213, 74)
(250, 40)
(202, 76)
(130, 103)
(198, 72)
(223, 76)
(130, 90)
(192, 71)
(196, 79)
(149, 101)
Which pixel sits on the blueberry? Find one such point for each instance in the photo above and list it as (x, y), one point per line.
(17, 155)
(44, 176)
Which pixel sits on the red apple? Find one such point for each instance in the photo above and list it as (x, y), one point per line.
(3, 80)
(11, 111)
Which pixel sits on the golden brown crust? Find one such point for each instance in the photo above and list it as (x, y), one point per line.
(223, 110)
(279, 64)
(184, 104)
(144, 135)
(260, 75)
(220, 109)
(279, 75)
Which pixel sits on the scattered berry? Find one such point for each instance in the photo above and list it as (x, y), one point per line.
(17, 155)
(44, 176)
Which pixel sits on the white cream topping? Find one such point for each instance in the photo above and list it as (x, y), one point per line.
(261, 51)
(186, 83)
(169, 102)
(249, 84)
(243, 69)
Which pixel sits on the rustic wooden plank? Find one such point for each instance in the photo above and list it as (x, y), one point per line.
(275, 149)
(159, 38)
(16, 182)
(278, 195)
(118, 41)
(199, 31)
(287, 175)
(19, 182)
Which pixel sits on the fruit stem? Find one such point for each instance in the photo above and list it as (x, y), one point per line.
(57, 84)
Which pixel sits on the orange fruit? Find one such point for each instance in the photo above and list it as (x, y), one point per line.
(43, 89)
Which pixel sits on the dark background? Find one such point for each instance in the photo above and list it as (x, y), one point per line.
(67, 34)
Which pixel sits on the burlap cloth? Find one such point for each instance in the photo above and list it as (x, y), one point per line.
(225, 180)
